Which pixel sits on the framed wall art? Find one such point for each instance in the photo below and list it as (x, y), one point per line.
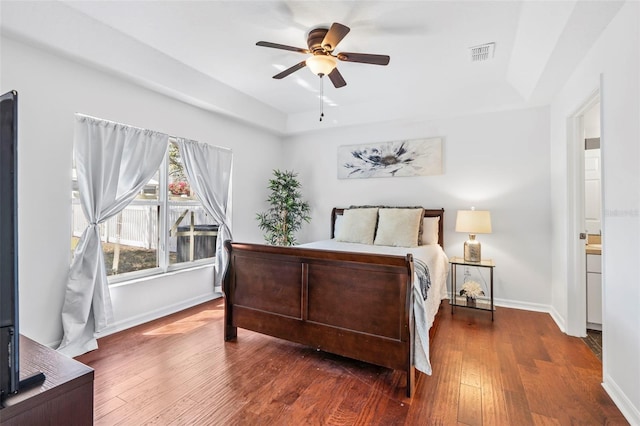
(417, 157)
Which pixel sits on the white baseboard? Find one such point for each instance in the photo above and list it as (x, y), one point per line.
(147, 316)
(153, 315)
(629, 411)
(526, 306)
(535, 307)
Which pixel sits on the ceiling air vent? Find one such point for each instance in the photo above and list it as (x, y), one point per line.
(483, 52)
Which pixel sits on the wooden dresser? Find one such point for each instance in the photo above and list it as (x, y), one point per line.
(64, 398)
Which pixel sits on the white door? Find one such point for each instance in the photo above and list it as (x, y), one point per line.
(592, 194)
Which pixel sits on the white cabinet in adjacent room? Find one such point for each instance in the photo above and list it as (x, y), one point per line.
(594, 291)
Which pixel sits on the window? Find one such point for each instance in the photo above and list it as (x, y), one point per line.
(165, 228)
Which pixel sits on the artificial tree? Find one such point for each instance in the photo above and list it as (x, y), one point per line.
(287, 212)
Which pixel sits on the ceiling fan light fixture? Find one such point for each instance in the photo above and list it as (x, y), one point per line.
(321, 64)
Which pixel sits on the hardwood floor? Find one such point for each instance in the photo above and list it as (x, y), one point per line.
(594, 341)
(518, 370)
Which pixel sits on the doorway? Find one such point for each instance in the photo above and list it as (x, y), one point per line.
(585, 212)
(593, 227)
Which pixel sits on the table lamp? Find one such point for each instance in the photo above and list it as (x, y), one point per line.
(473, 222)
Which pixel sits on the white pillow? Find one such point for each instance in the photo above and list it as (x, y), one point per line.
(398, 227)
(358, 226)
(430, 230)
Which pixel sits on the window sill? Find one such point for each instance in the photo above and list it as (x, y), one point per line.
(122, 281)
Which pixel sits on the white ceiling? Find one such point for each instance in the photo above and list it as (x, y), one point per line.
(204, 52)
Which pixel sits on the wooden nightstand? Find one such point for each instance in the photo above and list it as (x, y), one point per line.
(482, 303)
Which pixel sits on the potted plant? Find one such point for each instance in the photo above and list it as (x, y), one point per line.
(287, 212)
(178, 185)
(179, 188)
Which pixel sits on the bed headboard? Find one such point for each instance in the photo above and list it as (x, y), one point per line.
(427, 213)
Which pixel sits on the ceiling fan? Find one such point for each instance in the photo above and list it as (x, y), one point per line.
(321, 43)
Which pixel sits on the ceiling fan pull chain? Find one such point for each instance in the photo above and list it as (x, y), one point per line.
(321, 97)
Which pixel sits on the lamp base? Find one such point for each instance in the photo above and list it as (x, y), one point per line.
(472, 249)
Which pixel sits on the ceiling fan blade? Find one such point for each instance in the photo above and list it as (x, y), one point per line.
(335, 34)
(337, 79)
(291, 70)
(281, 46)
(364, 58)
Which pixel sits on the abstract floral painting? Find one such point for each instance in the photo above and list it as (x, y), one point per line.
(417, 157)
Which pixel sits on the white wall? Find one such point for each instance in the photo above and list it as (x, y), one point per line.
(497, 161)
(615, 57)
(51, 89)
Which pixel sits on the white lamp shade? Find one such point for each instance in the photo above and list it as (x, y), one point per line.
(321, 64)
(473, 221)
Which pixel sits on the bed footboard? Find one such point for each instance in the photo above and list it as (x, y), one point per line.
(351, 304)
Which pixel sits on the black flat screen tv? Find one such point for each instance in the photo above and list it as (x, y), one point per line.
(9, 337)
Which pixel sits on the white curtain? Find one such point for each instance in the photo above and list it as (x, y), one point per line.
(113, 163)
(208, 169)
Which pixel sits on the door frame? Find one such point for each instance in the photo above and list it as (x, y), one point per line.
(576, 324)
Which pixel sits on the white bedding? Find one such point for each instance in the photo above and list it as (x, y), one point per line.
(424, 310)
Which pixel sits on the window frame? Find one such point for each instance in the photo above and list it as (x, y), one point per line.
(163, 203)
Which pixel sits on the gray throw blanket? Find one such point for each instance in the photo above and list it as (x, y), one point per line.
(422, 270)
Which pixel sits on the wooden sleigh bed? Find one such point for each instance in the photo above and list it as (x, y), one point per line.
(357, 305)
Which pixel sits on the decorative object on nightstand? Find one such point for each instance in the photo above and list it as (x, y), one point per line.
(471, 290)
(471, 294)
(473, 222)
